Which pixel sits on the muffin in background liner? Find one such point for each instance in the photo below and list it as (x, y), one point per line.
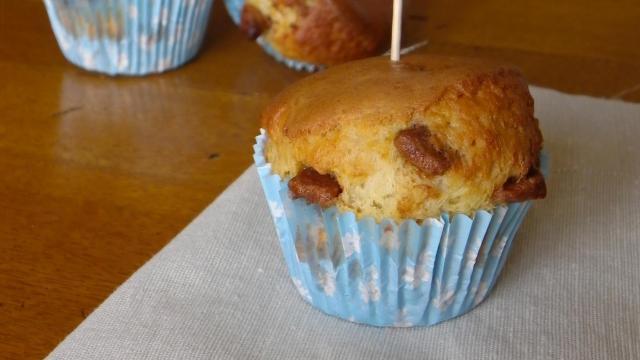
(129, 37)
(234, 8)
(385, 273)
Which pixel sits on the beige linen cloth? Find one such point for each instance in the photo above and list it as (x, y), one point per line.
(570, 290)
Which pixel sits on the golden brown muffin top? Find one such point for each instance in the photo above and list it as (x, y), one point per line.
(374, 90)
(411, 139)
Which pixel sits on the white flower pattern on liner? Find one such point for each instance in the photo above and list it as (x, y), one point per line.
(426, 259)
(470, 258)
(351, 244)
(497, 250)
(164, 17)
(401, 320)
(123, 61)
(369, 291)
(328, 282)
(474, 257)
(408, 275)
(88, 58)
(146, 42)
(171, 40)
(133, 12)
(414, 278)
(164, 64)
(276, 209)
(64, 42)
(302, 289)
(443, 299)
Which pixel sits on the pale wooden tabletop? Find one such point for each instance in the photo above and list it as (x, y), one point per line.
(99, 173)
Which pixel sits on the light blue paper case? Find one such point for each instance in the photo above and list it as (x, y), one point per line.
(234, 7)
(388, 274)
(129, 37)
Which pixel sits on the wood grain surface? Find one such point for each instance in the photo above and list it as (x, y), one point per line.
(98, 173)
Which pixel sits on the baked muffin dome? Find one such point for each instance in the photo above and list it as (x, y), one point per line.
(321, 32)
(413, 139)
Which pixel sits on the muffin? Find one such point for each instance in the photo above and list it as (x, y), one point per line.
(129, 37)
(309, 34)
(397, 188)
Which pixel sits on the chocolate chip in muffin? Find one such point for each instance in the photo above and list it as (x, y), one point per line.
(321, 189)
(531, 186)
(252, 22)
(416, 147)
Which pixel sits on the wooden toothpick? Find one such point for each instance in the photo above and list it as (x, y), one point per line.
(396, 30)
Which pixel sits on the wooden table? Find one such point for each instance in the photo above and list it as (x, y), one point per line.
(99, 173)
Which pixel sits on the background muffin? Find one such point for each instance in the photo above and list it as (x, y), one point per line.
(130, 37)
(311, 33)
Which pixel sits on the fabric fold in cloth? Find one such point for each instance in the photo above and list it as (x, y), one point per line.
(571, 288)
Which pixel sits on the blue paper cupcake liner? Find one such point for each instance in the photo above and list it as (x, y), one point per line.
(387, 273)
(129, 37)
(234, 7)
